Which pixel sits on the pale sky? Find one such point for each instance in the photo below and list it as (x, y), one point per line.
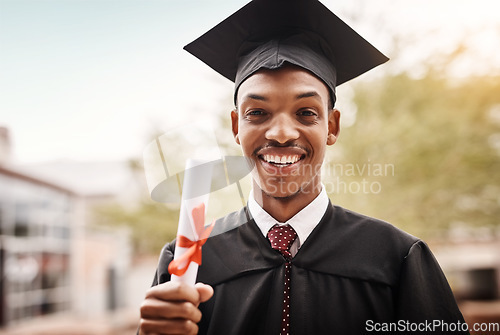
(91, 79)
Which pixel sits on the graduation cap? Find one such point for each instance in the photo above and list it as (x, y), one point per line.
(269, 33)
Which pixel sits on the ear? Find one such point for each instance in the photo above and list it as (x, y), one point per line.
(234, 125)
(333, 126)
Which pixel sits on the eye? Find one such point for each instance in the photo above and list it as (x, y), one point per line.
(307, 116)
(255, 115)
(255, 112)
(307, 112)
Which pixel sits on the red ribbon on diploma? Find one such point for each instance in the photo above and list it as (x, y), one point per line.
(194, 252)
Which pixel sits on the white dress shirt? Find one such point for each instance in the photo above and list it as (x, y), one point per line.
(303, 222)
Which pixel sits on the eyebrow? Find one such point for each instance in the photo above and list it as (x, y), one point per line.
(255, 97)
(311, 94)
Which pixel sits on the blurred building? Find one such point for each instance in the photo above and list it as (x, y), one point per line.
(53, 260)
(36, 221)
(470, 257)
(5, 144)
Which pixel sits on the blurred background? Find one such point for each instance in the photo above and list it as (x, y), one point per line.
(86, 85)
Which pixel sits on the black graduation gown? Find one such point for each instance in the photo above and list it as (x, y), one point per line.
(353, 275)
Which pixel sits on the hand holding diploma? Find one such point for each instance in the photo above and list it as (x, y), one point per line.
(186, 175)
(172, 308)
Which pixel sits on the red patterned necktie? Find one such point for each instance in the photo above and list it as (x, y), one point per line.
(281, 238)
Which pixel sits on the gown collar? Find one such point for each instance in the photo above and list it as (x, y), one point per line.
(303, 222)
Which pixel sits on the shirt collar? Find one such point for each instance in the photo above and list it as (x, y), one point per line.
(303, 222)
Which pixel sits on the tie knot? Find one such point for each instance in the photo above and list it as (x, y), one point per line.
(281, 238)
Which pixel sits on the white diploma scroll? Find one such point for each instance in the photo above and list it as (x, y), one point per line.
(195, 192)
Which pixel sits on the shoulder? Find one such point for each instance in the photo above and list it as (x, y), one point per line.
(223, 226)
(349, 244)
(368, 227)
(166, 256)
(230, 221)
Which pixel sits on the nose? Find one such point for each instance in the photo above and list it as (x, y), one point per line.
(282, 129)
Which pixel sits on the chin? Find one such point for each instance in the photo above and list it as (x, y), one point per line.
(284, 197)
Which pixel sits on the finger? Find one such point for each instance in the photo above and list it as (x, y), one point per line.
(158, 309)
(205, 291)
(168, 327)
(171, 291)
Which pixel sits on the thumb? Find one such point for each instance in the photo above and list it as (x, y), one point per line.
(205, 291)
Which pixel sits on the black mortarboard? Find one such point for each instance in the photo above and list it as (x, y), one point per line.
(270, 33)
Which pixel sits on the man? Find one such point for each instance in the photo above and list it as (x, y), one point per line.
(341, 272)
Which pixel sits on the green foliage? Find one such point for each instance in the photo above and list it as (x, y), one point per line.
(152, 224)
(437, 136)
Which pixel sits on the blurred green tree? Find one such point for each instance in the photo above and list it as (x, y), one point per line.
(430, 148)
(151, 223)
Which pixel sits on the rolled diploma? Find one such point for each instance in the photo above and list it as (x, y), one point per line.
(196, 181)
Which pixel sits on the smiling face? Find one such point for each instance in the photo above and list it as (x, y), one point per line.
(283, 123)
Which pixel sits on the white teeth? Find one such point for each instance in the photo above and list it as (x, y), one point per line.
(282, 159)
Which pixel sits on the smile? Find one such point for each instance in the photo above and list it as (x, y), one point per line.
(281, 160)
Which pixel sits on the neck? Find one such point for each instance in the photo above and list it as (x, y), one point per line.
(284, 208)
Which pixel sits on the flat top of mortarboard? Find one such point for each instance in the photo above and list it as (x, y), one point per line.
(221, 46)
